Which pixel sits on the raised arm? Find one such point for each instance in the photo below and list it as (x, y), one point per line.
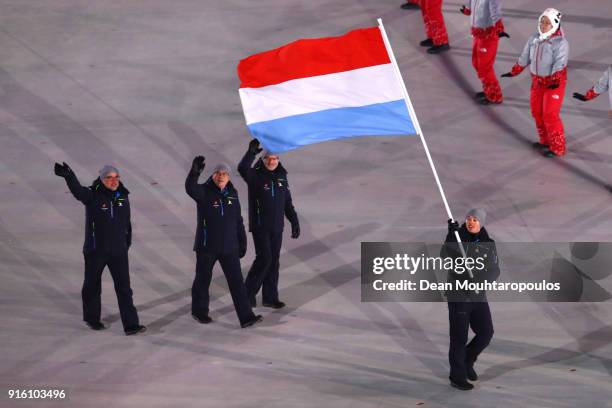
(244, 167)
(193, 189)
(83, 194)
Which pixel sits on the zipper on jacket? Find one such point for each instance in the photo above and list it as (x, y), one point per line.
(272, 182)
(93, 234)
(258, 213)
(221, 200)
(204, 232)
(538, 56)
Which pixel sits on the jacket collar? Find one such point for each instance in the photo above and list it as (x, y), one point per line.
(279, 171)
(482, 236)
(98, 185)
(210, 184)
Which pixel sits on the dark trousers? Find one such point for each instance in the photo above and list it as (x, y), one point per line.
(264, 271)
(230, 264)
(462, 316)
(92, 287)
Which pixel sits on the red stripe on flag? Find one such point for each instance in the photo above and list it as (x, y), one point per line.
(311, 57)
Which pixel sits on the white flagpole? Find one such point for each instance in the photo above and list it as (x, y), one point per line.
(417, 127)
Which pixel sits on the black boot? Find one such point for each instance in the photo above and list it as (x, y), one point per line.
(487, 101)
(436, 49)
(479, 95)
(538, 145)
(471, 374)
(548, 153)
(462, 385)
(129, 331)
(249, 323)
(426, 43)
(201, 319)
(96, 325)
(275, 305)
(409, 6)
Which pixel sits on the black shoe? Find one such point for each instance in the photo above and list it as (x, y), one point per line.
(96, 325)
(479, 95)
(409, 6)
(426, 43)
(548, 153)
(249, 323)
(538, 145)
(487, 101)
(471, 374)
(135, 330)
(203, 320)
(462, 385)
(436, 49)
(275, 305)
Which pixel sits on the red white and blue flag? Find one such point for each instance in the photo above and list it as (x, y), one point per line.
(315, 90)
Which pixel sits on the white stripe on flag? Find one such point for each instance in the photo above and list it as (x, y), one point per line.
(359, 87)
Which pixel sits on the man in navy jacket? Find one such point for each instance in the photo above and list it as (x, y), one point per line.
(108, 236)
(220, 236)
(269, 203)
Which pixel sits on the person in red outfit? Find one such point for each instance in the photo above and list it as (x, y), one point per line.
(604, 84)
(487, 28)
(437, 37)
(546, 53)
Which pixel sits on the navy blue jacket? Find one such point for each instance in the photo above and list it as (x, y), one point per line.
(475, 245)
(269, 195)
(220, 228)
(108, 228)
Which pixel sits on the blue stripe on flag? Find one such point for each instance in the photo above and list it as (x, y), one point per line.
(291, 132)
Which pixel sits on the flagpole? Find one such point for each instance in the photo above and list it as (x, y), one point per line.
(417, 127)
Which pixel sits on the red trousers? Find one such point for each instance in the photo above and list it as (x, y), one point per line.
(545, 107)
(434, 21)
(484, 51)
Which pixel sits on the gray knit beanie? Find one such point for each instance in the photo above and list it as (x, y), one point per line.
(104, 171)
(222, 167)
(479, 214)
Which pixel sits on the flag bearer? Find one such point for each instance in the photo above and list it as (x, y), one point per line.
(269, 203)
(469, 309)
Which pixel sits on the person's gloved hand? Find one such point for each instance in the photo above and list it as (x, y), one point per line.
(465, 11)
(579, 96)
(295, 230)
(507, 75)
(503, 34)
(62, 170)
(254, 146)
(198, 164)
(452, 226)
(553, 86)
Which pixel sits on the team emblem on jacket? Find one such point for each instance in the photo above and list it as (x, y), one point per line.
(104, 206)
(266, 187)
(216, 204)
